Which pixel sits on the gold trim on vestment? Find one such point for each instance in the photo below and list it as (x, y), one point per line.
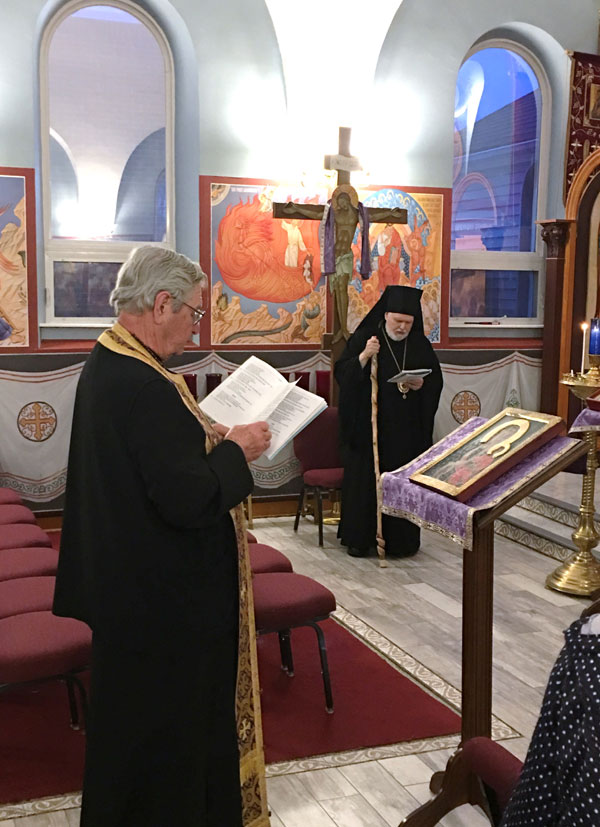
(249, 723)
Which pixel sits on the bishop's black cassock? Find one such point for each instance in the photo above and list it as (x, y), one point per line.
(405, 425)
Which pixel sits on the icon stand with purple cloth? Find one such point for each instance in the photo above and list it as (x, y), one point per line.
(471, 524)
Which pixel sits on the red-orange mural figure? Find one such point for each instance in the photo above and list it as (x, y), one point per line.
(261, 259)
(389, 251)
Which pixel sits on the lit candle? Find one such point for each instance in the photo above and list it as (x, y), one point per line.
(595, 337)
(584, 327)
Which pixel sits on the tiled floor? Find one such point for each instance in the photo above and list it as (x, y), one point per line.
(415, 604)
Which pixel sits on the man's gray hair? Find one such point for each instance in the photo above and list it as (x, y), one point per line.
(147, 271)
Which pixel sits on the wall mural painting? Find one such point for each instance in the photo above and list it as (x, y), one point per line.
(266, 277)
(406, 254)
(14, 288)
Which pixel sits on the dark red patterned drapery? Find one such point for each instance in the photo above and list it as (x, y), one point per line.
(583, 130)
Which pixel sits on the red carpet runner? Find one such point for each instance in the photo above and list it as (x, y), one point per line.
(373, 703)
(41, 756)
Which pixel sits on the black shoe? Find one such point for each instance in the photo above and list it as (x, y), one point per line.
(358, 552)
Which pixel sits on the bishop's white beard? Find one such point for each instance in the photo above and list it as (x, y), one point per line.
(395, 337)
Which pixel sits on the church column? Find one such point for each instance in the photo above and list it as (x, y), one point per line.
(555, 233)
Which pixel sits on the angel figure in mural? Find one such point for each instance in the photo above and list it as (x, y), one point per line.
(295, 242)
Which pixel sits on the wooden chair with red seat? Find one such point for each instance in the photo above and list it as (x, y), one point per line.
(286, 600)
(317, 450)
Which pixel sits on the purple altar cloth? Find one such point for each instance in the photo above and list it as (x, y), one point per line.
(588, 420)
(453, 519)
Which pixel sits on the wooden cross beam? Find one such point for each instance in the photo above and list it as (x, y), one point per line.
(344, 202)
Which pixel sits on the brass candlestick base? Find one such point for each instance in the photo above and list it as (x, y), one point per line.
(581, 573)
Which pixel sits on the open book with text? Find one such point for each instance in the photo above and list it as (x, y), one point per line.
(256, 391)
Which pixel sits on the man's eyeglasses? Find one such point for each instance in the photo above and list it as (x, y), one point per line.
(197, 312)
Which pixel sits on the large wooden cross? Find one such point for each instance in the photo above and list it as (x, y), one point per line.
(344, 202)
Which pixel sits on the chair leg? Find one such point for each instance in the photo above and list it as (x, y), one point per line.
(82, 698)
(73, 710)
(285, 647)
(319, 500)
(300, 506)
(324, 665)
(72, 682)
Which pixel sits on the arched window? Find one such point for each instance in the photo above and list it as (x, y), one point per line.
(497, 267)
(107, 151)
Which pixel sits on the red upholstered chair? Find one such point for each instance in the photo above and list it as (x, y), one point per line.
(38, 646)
(497, 768)
(8, 496)
(283, 601)
(481, 772)
(20, 535)
(27, 562)
(26, 594)
(251, 537)
(12, 513)
(264, 559)
(316, 447)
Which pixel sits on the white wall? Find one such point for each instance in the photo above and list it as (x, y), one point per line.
(231, 89)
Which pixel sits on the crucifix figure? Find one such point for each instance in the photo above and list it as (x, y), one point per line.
(346, 211)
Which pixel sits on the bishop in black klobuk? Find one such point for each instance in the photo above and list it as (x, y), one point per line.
(405, 416)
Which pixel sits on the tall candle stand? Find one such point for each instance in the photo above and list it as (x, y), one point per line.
(580, 574)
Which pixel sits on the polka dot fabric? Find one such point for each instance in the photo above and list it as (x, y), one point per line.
(560, 780)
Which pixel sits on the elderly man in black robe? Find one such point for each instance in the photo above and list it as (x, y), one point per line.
(393, 330)
(149, 559)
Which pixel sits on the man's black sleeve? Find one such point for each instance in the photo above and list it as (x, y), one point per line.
(167, 443)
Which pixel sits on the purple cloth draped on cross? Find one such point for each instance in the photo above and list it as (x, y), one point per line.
(327, 240)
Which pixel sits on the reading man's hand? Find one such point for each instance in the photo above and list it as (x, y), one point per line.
(253, 439)
(222, 430)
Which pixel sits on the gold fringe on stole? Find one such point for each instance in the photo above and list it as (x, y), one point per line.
(249, 723)
(378, 488)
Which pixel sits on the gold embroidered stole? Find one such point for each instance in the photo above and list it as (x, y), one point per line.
(249, 725)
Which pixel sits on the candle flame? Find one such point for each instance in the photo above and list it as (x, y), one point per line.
(584, 326)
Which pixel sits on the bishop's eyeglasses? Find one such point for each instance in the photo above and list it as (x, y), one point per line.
(197, 312)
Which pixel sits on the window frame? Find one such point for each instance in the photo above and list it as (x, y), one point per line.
(518, 261)
(92, 249)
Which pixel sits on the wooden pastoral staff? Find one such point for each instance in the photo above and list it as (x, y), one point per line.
(471, 523)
